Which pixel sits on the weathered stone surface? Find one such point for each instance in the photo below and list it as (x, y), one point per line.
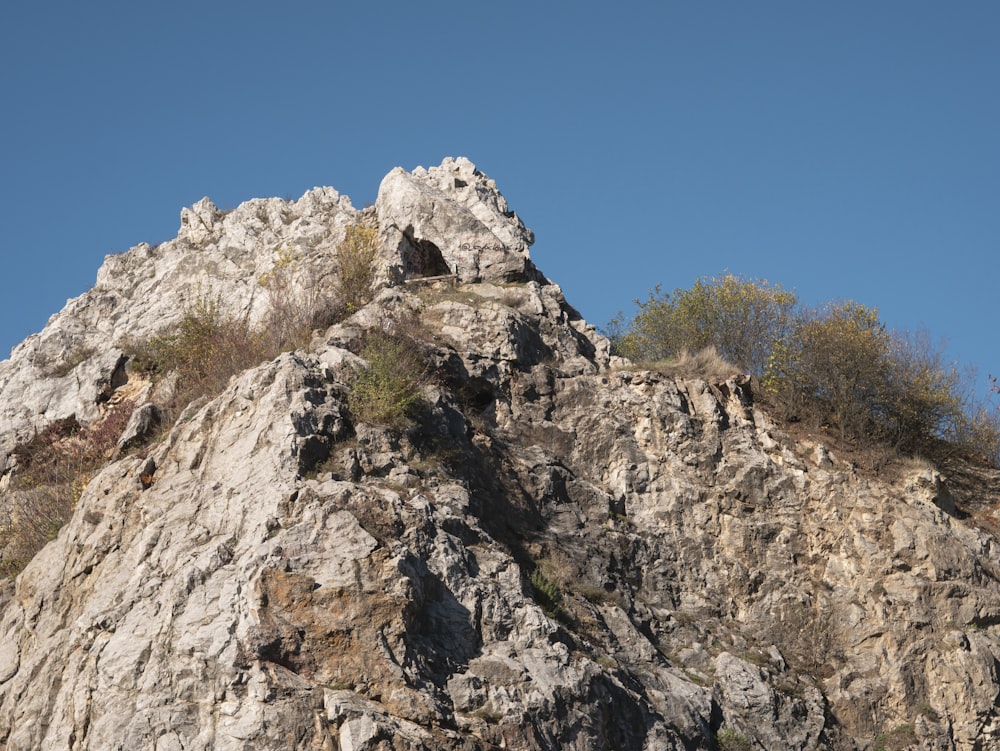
(69, 368)
(452, 219)
(141, 427)
(561, 553)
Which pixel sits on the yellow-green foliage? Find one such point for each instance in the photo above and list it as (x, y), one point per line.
(387, 392)
(841, 366)
(834, 363)
(733, 740)
(357, 255)
(838, 366)
(740, 318)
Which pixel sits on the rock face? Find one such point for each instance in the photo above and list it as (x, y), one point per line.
(562, 552)
(452, 220)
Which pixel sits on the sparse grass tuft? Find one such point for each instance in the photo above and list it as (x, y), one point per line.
(706, 364)
(546, 591)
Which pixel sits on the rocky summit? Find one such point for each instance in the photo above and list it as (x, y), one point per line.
(552, 549)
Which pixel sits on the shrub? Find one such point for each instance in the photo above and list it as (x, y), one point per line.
(843, 367)
(838, 366)
(546, 591)
(357, 255)
(204, 349)
(387, 391)
(52, 471)
(295, 308)
(832, 366)
(36, 516)
(741, 318)
(977, 432)
(898, 739)
(208, 345)
(733, 740)
(929, 399)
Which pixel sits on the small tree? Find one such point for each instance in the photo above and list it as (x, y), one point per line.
(741, 318)
(833, 364)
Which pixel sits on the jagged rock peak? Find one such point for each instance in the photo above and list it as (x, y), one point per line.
(452, 219)
(448, 220)
(560, 551)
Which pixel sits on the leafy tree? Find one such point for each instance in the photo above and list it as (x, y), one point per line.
(832, 364)
(741, 318)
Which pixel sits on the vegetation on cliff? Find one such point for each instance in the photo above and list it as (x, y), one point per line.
(838, 366)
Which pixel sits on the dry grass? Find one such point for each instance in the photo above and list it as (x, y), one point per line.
(706, 364)
(52, 471)
(357, 257)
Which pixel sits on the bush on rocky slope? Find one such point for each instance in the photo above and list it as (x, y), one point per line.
(53, 468)
(209, 345)
(199, 354)
(838, 366)
(387, 391)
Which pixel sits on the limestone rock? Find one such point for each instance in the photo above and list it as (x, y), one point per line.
(562, 551)
(452, 219)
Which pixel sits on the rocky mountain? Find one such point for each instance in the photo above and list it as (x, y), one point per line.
(556, 551)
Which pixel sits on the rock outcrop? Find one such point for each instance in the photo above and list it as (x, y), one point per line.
(561, 552)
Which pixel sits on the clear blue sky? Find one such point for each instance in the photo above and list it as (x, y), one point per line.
(845, 150)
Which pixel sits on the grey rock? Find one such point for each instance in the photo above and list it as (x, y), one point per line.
(451, 219)
(563, 552)
(142, 425)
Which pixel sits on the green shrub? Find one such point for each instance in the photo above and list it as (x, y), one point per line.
(733, 740)
(388, 390)
(546, 591)
(741, 318)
